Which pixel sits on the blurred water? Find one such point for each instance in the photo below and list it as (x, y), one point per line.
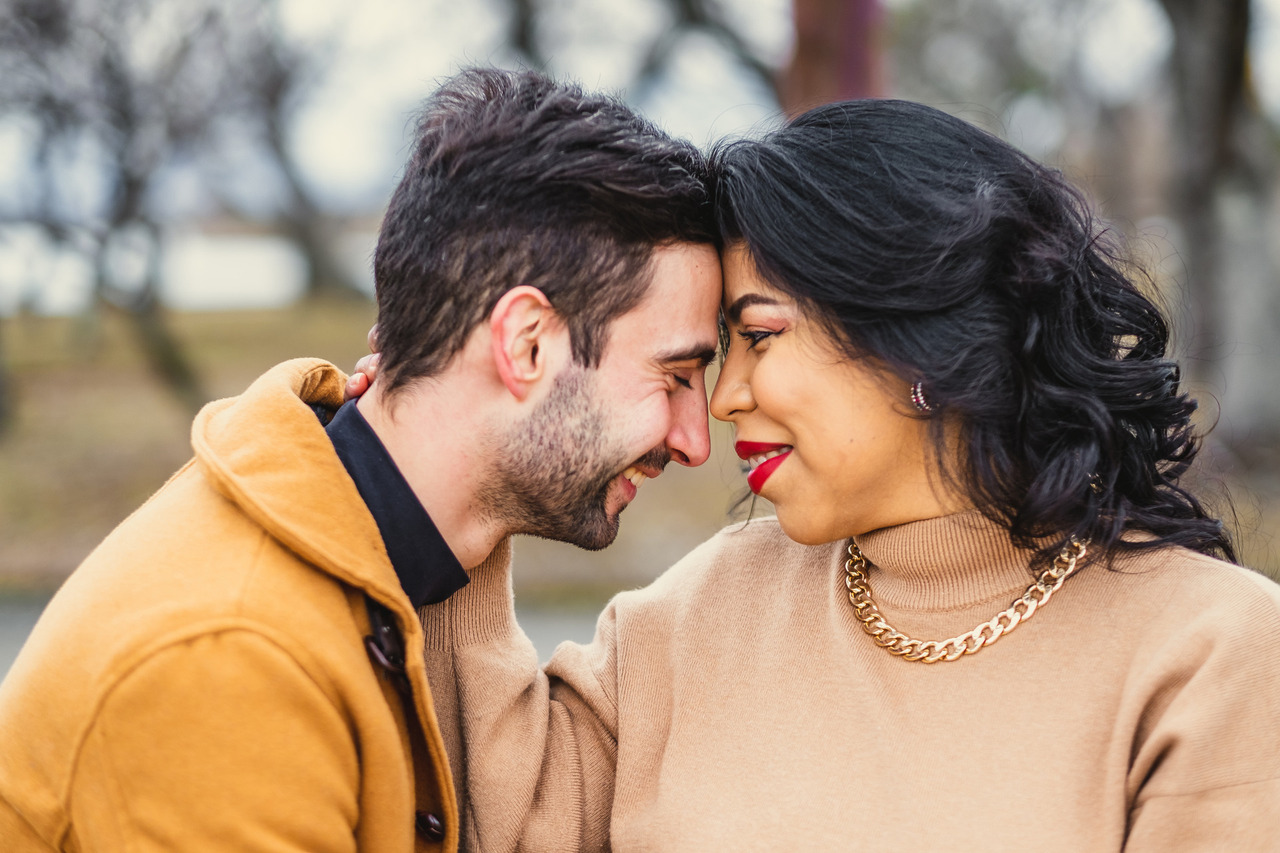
(547, 627)
(17, 616)
(198, 271)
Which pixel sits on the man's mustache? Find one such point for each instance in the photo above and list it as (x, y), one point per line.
(655, 459)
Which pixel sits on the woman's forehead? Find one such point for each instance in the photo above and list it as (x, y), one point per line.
(742, 277)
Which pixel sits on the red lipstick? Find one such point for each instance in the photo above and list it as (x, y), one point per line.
(748, 449)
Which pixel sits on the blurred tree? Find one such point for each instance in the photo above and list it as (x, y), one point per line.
(8, 402)
(715, 19)
(270, 79)
(117, 89)
(1186, 146)
(709, 17)
(121, 97)
(522, 32)
(837, 54)
(1220, 193)
(1208, 75)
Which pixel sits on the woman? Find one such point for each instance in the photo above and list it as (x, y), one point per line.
(955, 398)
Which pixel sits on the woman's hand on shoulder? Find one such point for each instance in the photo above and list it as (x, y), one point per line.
(366, 370)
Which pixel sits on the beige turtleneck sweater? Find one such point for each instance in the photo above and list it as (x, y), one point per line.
(736, 704)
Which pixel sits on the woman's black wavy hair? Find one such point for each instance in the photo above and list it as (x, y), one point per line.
(952, 258)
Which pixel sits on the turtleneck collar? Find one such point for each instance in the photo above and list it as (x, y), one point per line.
(944, 563)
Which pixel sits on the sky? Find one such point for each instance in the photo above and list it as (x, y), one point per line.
(352, 133)
(366, 103)
(395, 52)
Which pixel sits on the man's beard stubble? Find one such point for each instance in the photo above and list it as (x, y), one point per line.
(555, 468)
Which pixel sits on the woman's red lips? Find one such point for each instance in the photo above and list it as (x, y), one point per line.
(749, 449)
(762, 471)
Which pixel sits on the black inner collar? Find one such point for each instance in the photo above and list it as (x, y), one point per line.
(428, 570)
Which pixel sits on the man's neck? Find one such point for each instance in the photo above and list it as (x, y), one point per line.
(433, 436)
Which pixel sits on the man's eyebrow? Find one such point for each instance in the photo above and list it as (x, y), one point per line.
(733, 313)
(704, 354)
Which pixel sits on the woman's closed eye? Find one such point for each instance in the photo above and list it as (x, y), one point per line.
(753, 337)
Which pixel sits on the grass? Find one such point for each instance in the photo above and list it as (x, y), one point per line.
(96, 434)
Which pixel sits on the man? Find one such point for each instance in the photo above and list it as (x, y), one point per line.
(239, 665)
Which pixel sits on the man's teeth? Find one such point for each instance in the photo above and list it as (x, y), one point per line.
(635, 475)
(760, 458)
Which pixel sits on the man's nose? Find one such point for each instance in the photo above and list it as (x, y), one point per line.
(689, 440)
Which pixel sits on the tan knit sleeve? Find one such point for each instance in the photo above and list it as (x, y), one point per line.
(1206, 768)
(533, 757)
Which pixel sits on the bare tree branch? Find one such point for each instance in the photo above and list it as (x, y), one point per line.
(522, 32)
(703, 16)
(85, 83)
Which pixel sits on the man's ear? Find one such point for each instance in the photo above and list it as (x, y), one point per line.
(522, 329)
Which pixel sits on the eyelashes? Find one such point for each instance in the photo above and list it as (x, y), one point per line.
(753, 338)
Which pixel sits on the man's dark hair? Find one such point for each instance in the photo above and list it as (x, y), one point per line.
(517, 179)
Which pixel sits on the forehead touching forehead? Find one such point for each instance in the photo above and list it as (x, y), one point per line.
(745, 287)
(516, 179)
(676, 320)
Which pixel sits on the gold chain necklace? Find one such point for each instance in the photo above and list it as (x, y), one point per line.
(932, 651)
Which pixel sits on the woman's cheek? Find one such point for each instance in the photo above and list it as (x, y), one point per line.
(769, 387)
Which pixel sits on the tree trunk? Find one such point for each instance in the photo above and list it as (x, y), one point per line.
(1209, 41)
(1219, 198)
(162, 352)
(522, 32)
(837, 54)
(325, 276)
(304, 223)
(166, 357)
(8, 400)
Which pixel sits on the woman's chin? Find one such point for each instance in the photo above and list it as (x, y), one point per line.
(801, 527)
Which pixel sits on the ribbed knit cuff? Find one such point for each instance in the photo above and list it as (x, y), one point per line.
(480, 612)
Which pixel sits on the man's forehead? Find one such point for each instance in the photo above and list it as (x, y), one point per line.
(677, 320)
(685, 293)
(685, 277)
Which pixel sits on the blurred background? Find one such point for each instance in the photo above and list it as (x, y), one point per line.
(190, 191)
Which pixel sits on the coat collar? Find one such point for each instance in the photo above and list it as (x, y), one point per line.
(266, 452)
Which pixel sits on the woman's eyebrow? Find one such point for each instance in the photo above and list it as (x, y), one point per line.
(734, 312)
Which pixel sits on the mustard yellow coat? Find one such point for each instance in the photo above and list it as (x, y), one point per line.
(201, 681)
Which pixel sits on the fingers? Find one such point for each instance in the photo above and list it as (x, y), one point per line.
(362, 377)
(357, 384)
(368, 365)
